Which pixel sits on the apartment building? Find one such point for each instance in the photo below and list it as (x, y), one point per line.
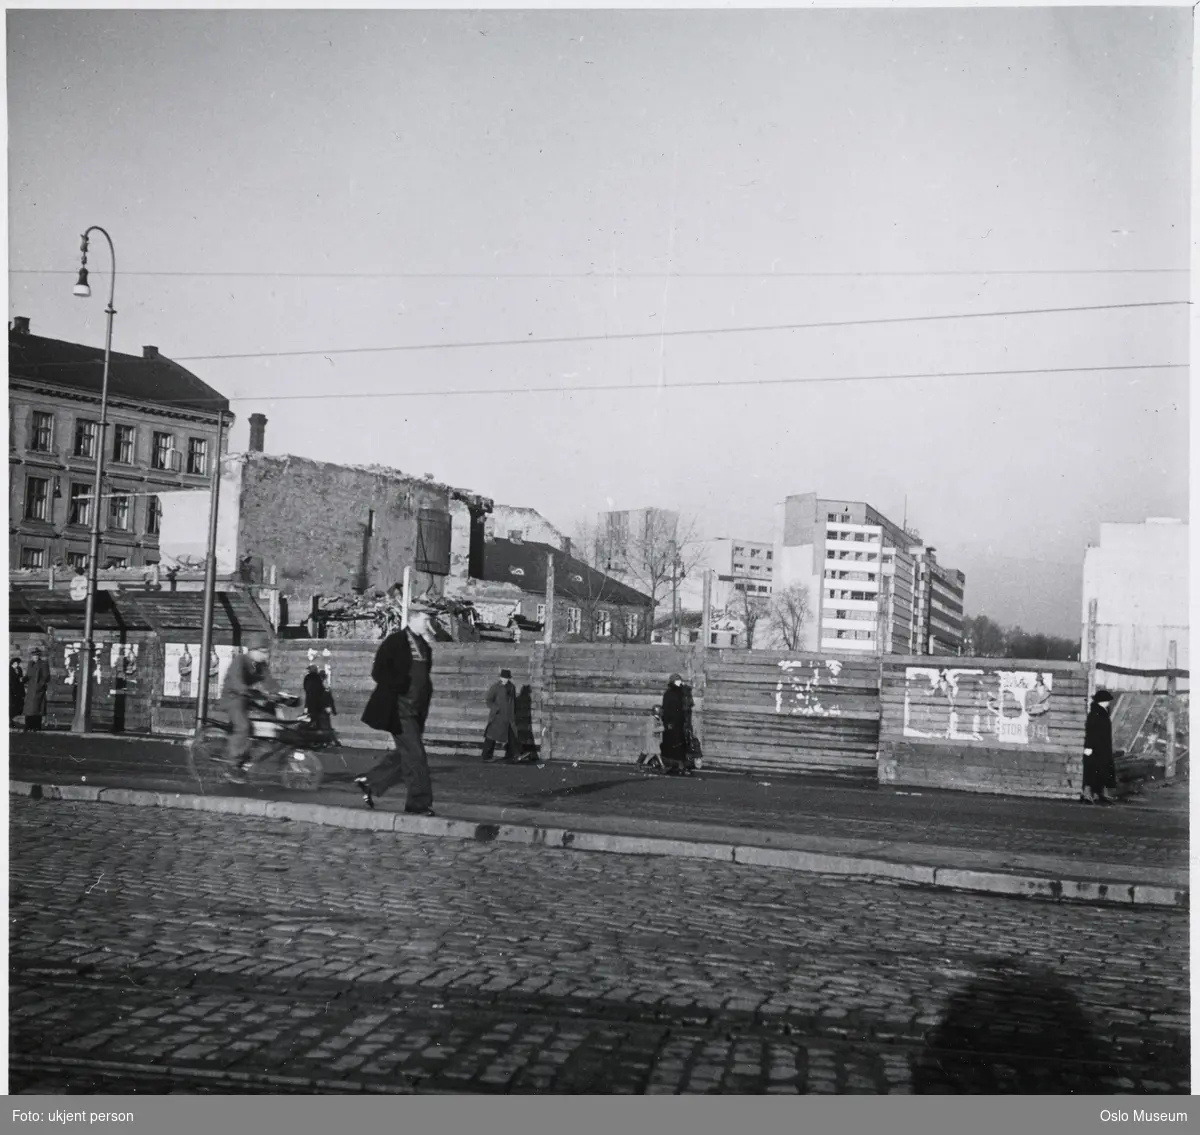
(863, 574)
(740, 565)
(163, 433)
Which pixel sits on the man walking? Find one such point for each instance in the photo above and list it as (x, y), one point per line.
(37, 688)
(502, 719)
(399, 706)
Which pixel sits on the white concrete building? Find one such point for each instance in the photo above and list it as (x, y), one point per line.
(1138, 576)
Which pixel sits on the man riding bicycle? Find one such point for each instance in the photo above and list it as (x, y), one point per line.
(248, 685)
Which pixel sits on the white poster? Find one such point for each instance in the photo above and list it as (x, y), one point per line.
(181, 669)
(123, 665)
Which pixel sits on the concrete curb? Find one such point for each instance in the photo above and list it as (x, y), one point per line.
(1012, 882)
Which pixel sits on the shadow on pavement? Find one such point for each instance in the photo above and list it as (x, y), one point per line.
(1013, 1030)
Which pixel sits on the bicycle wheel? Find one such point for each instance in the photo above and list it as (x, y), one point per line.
(208, 760)
(302, 771)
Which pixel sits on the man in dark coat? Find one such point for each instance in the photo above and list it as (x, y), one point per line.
(502, 719)
(318, 700)
(37, 688)
(1099, 769)
(16, 690)
(676, 722)
(399, 705)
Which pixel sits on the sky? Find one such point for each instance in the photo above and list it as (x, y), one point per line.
(299, 186)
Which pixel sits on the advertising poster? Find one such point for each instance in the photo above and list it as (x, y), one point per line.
(1011, 706)
(181, 669)
(123, 666)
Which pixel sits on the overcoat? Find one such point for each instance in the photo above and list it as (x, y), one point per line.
(502, 711)
(392, 675)
(1099, 768)
(37, 686)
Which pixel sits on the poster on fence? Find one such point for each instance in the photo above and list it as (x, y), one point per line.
(123, 666)
(181, 669)
(1011, 706)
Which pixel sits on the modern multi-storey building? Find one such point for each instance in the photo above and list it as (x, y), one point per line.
(938, 623)
(740, 566)
(625, 535)
(863, 575)
(163, 435)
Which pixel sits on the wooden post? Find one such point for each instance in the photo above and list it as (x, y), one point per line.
(405, 596)
(1172, 663)
(548, 629)
(1093, 606)
(706, 616)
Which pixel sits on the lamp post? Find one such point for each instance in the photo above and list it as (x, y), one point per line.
(83, 695)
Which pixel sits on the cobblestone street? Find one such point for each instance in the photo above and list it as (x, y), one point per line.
(157, 951)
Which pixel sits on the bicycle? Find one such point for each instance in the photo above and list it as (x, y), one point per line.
(286, 744)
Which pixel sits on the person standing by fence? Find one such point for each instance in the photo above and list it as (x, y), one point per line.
(502, 719)
(1099, 767)
(16, 690)
(676, 723)
(37, 690)
(399, 705)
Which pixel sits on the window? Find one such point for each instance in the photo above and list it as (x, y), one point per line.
(164, 449)
(80, 505)
(770, 555)
(117, 562)
(41, 432)
(433, 541)
(37, 498)
(77, 560)
(85, 438)
(573, 620)
(118, 512)
(197, 459)
(831, 554)
(633, 624)
(123, 445)
(839, 614)
(755, 552)
(541, 613)
(153, 516)
(833, 516)
(33, 558)
(603, 624)
(860, 536)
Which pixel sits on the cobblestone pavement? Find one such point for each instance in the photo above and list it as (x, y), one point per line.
(1152, 832)
(196, 952)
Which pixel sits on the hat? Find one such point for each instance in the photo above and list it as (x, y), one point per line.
(505, 673)
(1102, 696)
(256, 640)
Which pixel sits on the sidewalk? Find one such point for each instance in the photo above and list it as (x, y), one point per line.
(1135, 852)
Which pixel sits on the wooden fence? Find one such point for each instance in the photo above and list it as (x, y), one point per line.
(983, 725)
(772, 711)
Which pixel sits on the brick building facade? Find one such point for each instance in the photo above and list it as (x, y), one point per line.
(162, 435)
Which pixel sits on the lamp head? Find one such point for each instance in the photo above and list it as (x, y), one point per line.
(81, 287)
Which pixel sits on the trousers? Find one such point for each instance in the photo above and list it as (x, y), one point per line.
(406, 762)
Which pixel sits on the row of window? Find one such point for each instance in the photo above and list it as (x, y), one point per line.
(869, 576)
(163, 455)
(860, 616)
(842, 593)
(34, 559)
(753, 588)
(601, 624)
(741, 567)
(755, 553)
(860, 636)
(79, 506)
(858, 537)
(843, 554)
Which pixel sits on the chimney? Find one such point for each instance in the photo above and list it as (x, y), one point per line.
(258, 432)
(20, 325)
(566, 545)
(150, 353)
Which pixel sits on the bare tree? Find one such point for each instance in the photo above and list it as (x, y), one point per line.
(751, 609)
(657, 557)
(594, 591)
(789, 612)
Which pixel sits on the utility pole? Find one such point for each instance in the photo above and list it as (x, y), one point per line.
(1172, 662)
(706, 617)
(548, 628)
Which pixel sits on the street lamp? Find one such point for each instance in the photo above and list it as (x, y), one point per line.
(83, 695)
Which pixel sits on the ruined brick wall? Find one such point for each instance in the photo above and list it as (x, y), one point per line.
(311, 521)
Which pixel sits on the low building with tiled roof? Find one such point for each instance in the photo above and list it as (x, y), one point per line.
(589, 605)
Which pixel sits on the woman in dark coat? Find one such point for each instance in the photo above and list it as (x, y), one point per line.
(1099, 769)
(37, 686)
(675, 721)
(16, 690)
